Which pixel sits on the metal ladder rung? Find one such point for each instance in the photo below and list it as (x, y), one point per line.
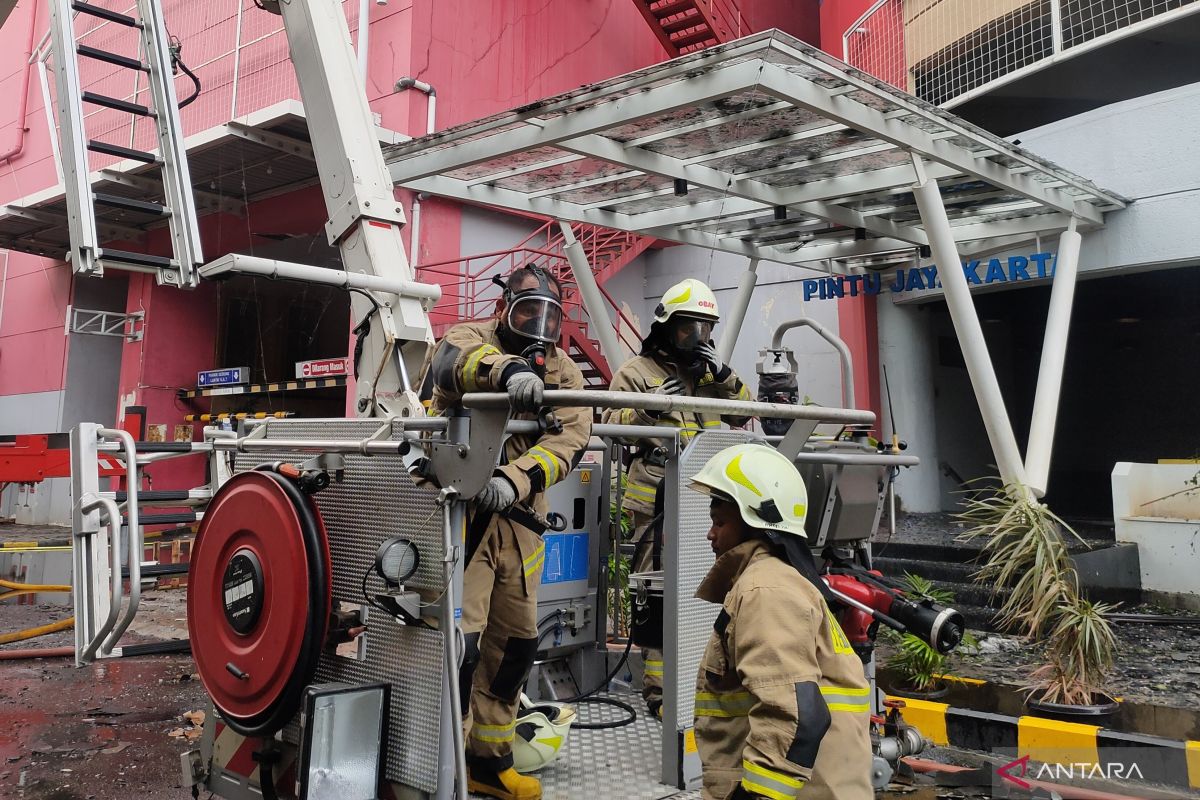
(104, 13)
(141, 259)
(116, 103)
(130, 204)
(115, 59)
(110, 149)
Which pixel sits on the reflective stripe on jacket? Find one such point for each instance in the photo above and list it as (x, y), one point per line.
(782, 702)
(645, 374)
(471, 358)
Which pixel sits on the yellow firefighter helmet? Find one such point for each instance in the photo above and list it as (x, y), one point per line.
(541, 733)
(689, 297)
(762, 482)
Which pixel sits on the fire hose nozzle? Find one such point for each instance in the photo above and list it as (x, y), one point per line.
(938, 625)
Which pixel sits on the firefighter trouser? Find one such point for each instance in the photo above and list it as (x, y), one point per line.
(643, 561)
(500, 626)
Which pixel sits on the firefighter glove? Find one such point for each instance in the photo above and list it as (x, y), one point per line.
(706, 352)
(671, 386)
(497, 495)
(524, 391)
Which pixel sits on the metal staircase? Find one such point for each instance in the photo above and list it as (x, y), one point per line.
(470, 294)
(685, 26)
(172, 200)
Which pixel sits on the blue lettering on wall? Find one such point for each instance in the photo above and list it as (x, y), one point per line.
(1016, 268)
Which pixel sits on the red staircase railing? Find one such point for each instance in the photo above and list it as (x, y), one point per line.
(685, 26)
(608, 251)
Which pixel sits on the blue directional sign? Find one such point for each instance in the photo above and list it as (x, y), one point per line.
(233, 376)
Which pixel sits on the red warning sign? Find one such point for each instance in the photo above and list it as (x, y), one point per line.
(323, 368)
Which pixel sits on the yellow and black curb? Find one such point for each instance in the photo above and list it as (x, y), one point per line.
(1172, 762)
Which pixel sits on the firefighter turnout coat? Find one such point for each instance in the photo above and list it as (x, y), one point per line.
(645, 374)
(505, 562)
(782, 703)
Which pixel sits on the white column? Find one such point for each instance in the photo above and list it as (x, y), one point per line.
(906, 348)
(593, 301)
(968, 329)
(732, 324)
(1054, 356)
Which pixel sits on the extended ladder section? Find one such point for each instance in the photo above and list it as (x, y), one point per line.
(175, 202)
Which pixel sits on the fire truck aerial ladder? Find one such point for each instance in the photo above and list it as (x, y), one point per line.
(312, 530)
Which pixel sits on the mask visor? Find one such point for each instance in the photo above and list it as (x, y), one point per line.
(536, 317)
(690, 332)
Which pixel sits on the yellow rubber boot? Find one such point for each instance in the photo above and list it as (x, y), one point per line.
(507, 784)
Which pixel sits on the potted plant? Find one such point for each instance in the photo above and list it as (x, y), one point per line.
(919, 669)
(1024, 548)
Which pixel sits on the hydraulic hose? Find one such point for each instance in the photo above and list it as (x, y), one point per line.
(35, 587)
(36, 652)
(41, 630)
(586, 697)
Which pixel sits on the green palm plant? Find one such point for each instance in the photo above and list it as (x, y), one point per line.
(1024, 547)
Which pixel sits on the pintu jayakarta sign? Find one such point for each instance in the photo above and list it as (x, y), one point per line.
(978, 273)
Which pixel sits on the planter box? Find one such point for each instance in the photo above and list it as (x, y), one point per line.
(1165, 529)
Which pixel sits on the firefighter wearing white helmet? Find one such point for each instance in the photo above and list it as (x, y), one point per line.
(678, 357)
(782, 703)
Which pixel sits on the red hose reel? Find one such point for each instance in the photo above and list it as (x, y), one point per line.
(259, 597)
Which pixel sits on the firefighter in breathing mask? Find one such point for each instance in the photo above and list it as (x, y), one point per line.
(678, 358)
(516, 353)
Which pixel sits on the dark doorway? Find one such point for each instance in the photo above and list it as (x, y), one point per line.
(1129, 389)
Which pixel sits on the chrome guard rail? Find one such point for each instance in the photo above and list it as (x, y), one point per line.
(556, 398)
(114, 526)
(135, 539)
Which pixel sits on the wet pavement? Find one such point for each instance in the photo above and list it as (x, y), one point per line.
(97, 732)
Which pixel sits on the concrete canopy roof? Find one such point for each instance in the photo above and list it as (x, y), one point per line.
(786, 153)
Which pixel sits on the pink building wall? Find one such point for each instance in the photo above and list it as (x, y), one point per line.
(481, 57)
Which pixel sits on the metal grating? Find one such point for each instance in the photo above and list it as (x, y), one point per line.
(612, 764)
(753, 130)
(377, 499)
(944, 51)
(692, 559)
(411, 660)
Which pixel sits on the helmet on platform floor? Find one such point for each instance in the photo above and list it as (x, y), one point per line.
(541, 733)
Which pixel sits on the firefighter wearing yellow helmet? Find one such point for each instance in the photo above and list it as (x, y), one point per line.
(678, 357)
(782, 703)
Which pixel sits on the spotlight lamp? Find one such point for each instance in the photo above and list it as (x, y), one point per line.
(397, 560)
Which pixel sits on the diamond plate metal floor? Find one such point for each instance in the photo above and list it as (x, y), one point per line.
(612, 764)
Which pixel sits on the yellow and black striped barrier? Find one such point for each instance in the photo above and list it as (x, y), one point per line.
(1172, 762)
(238, 416)
(264, 388)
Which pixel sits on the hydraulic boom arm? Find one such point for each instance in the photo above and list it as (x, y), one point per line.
(364, 217)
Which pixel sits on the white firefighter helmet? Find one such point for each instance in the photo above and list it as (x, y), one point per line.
(541, 733)
(689, 297)
(762, 482)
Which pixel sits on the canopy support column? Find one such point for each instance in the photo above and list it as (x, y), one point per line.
(593, 302)
(737, 315)
(967, 327)
(1054, 356)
